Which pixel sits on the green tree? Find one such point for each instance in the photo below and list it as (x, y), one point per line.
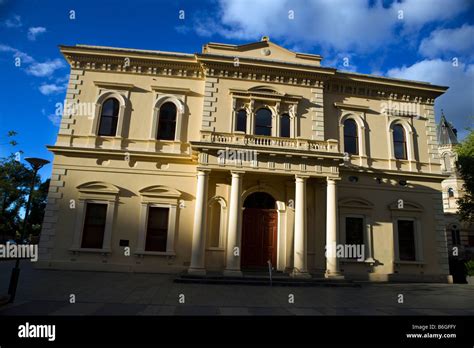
(465, 166)
(15, 181)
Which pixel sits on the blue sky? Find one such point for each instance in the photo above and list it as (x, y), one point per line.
(427, 40)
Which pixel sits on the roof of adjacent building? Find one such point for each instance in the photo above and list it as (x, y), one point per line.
(446, 132)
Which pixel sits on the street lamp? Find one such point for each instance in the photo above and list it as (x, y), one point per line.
(36, 164)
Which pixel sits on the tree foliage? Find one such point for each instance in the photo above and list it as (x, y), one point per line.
(15, 181)
(465, 166)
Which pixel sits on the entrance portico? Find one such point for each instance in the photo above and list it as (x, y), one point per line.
(268, 223)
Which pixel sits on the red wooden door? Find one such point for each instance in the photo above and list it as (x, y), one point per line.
(259, 238)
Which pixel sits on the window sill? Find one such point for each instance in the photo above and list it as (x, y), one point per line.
(90, 250)
(155, 253)
(215, 249)
(400, 262)
(366, 261)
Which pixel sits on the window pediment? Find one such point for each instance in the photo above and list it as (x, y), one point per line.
(354, 202)
(101, 187)
(405, 206)
(159, 191)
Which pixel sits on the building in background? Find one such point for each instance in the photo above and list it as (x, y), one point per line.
(227, 159)
(459, 234)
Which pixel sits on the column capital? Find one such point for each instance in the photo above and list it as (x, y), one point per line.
(237, 173)
(203, 171)
(301, 177)
(332, 181)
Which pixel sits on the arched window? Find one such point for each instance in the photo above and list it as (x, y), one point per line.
(351, 140)
(285, 126)
(450, 192)
(455, 235)
(214, 224)
(399, 142)
(263, 122)
(447, 162)
(241, 123)
(167, 122)
(109, 117)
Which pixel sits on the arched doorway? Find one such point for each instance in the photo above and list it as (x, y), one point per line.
(259, 231)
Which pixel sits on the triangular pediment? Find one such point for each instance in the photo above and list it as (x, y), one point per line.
(265, 50)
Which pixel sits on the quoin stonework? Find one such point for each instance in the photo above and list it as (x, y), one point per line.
(337, 158)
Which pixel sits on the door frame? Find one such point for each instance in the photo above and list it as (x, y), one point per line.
(279, 196)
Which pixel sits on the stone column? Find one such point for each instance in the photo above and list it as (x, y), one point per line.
(199, 232)
(235, 227)
(300, 260)
(332, 264)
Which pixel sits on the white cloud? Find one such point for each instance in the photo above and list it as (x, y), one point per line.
(45, 69)
(457, 102)
(443, 42)
(55, 119)
(14, 22)
(33, 32)
(24, 57)
(339, 24)
(51, 88)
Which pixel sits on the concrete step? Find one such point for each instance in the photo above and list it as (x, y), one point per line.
(281, 280)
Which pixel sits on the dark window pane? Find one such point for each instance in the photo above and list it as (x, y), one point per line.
(450, 192)
(94, 226)
(354, 230)
(241, 121)
(263, 122)
(399, 143)
(109, 117)
(350, 137)
(285, 126)
(157, 229)
(110, 107)
(406, 240)
(455, 236)
(167, 122)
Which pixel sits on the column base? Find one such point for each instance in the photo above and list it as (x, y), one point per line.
(300, 274)
(232, 273)
(197, 271)
(334, 275)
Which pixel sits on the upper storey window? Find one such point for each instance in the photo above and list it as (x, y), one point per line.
(263, 122)
(109, 117)
(350, 137)
(285, 126)
(399, 142)
(241, 125)
(167, 122)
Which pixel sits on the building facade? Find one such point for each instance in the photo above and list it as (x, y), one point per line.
(237, 156)
(460, 234)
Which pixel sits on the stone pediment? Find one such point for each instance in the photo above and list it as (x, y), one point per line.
(264, 49)
(98, 187)
(160, 191)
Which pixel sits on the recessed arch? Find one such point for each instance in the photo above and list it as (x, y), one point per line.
(362, 130)
(124, 104)
(180, 112)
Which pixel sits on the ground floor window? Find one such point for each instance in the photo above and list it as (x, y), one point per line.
(157, 229)
(94, 226)
(406, 240)
(455, 235)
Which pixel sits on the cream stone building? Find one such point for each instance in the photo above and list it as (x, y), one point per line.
(227, 159)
